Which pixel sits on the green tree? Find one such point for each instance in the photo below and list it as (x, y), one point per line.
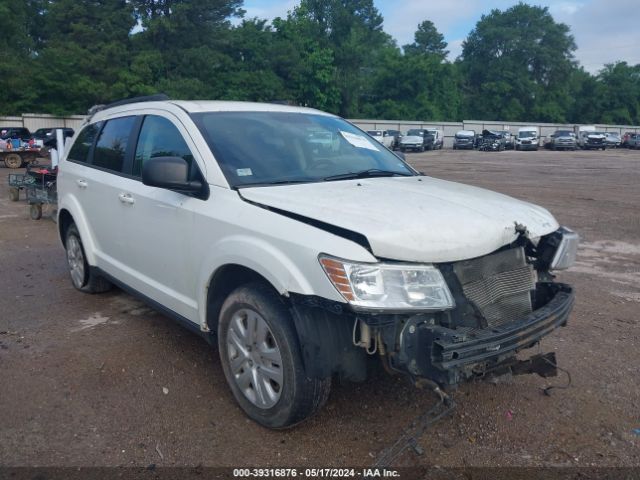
(84, 52)
(427, 40)
(17, 51)
(183, 46)
(306, 67)
(620, 93)
(352, 31)
(516, 64)
(414, 87)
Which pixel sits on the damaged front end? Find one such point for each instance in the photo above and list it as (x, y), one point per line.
(503, 303)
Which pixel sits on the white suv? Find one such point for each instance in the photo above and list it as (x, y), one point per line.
(302, 257)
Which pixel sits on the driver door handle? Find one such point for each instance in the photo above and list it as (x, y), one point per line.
(81, 183)
(126, 198)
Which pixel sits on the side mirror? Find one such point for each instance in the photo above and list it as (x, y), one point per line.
(171, 173)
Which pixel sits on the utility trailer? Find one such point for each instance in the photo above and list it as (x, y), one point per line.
(15, 158)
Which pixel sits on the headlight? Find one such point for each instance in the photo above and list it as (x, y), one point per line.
(388, 286)
(565, 255)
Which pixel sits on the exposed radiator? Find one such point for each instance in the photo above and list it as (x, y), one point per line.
(499, 285)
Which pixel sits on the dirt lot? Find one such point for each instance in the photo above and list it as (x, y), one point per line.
(103, 380)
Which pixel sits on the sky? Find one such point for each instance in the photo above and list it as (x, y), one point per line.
(604, 30)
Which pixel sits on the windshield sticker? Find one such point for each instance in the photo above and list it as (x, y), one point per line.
(358, 141)
(244, 172)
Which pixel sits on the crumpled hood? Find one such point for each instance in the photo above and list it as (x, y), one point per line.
(413, 219)
(411, 139)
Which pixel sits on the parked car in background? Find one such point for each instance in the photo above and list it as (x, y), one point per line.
(464, 139)
(417, 140)
(320, 140)
(612, 140)
(46, 133)
(397, 136)
(593, 141)
(382, 137)
(633, 141)
(625, 139)
(13, 133)
(508, 139)
(438, 138)
(492, 141)
(562, 140)
(477, 141)
(528, 138)
(300, 265)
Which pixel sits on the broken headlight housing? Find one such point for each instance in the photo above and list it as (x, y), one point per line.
(388, 286)
(565, 255)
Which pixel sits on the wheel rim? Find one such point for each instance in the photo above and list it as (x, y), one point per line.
(255, 360)
(75, 258)
(13, 161)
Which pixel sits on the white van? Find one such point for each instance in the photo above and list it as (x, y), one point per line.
(438, 137)
(300, 258)
(528, 138)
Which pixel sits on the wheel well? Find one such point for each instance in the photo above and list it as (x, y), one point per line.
(64, 221)
(224, 281)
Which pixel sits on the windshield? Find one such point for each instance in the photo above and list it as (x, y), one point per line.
(415, 133)
(374, 133)
(563, 133)
(526, 134)
(262, 148)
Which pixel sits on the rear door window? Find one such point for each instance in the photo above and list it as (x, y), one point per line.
(159, 137)
(112, 144)
(82, 146)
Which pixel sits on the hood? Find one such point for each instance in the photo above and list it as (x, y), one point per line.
(595, 135)
(489, 133)
(411, 139)
(413, 219)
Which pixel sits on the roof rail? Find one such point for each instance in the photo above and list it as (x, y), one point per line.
(147, 98)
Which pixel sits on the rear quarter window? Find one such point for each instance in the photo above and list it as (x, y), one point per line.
(112, 144)
(82, 146)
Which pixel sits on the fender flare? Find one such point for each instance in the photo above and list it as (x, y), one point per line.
(71, 205)
(259, 256)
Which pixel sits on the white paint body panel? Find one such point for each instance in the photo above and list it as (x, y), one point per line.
(414, 219)
(168, 246)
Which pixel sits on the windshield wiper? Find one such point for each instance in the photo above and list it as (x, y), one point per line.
(372, 172)
(267, 184)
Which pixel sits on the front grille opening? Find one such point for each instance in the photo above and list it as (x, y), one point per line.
(500, 285)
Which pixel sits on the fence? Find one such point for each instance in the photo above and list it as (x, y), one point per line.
(451, 128)
(34, 121)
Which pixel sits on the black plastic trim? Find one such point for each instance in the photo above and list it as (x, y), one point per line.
(493, 342)
(176, 317)
(345, 233)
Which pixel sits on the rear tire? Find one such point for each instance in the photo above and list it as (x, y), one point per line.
(262, 362)
(82, 277)
(13, 160)
(35, 211)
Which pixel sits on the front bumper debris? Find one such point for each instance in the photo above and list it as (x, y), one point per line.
(449, 356)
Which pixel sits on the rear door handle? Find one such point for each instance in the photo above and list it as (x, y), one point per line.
(81, 183)
(126, 198)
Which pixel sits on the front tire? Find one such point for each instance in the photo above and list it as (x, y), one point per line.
(13, 160)
(82, 277)
(262, 362)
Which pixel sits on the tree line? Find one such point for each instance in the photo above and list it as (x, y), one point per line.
(518, 64)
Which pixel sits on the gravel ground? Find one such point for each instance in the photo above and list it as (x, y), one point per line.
(102, 380)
